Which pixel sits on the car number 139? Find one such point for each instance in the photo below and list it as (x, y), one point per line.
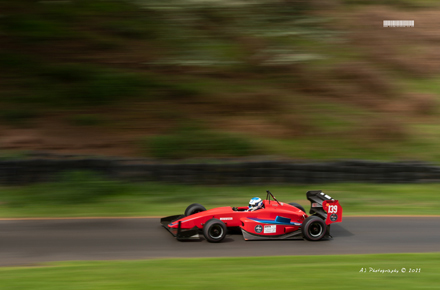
(332, 209)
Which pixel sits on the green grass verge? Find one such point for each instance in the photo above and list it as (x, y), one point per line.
(85, 195)
(323, 272)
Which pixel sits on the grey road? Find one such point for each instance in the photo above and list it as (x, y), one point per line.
(27, 242)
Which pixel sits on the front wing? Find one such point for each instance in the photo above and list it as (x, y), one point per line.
(179, 233)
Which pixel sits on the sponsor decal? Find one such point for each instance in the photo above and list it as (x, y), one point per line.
(333, 217)
(315, 204)
(226, 219)
(270, 229)
(258, 229)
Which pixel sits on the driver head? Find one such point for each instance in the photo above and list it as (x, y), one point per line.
(255, 203)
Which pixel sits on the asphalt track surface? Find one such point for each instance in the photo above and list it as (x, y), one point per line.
(28, 242)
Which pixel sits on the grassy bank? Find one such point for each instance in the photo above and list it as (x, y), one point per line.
(81, 194)
(324, 272)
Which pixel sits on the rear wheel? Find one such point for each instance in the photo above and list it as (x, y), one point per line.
(214, 230)
(297, 205)
(194, 208)
(313, 228)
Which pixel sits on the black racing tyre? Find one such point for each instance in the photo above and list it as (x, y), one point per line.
(313, 228)
(214, 231)
(297, 205)
(194, 208)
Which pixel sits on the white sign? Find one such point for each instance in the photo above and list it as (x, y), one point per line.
(270, 229)
(398, 23)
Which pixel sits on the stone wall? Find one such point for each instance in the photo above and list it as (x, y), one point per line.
(26, 171)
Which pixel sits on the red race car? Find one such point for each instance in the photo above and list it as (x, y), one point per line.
(274, 220)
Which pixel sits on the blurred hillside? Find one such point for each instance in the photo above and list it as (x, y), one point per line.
(169, 79)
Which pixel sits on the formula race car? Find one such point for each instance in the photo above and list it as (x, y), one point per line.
(275, 220)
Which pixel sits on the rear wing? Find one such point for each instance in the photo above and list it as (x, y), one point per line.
(324, 206)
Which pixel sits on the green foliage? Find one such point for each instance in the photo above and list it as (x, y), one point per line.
(106, 87)
(179, 91)
(58, 20)
(114, 23)
(69, 72)
(83, 85)
(132, 28)
(98, 48)
(33, 28)
(13, 154)
(104, 7)
(18, 63)
(86, 120)
(17, 116)
(192, 142)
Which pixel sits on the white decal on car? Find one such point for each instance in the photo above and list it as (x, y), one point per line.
(270, 229)
(226, 219)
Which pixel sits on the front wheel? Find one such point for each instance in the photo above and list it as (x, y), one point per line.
(313, 228)
(194, 208)
(214, 231)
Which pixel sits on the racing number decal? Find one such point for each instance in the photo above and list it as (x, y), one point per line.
(332, 209)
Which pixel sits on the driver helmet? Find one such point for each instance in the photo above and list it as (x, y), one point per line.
(255, 203)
